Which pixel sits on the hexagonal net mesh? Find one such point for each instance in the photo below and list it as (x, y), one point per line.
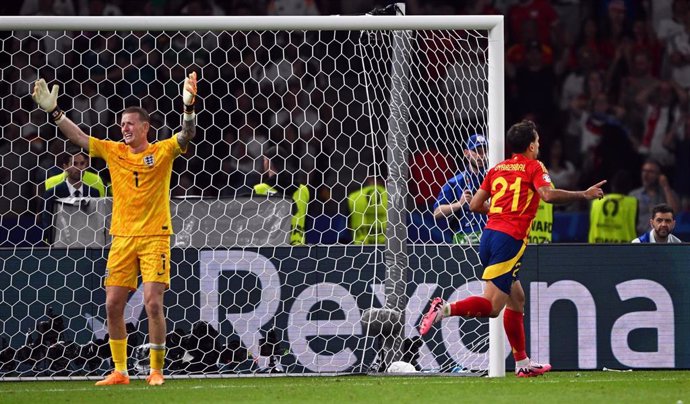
(269, 273)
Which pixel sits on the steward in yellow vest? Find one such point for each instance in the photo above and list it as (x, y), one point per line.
(281, 176)
(542, 225)
(612, 219)
(368, 213)
(89, 178)
(299, 213)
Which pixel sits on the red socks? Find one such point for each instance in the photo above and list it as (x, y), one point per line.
(473, 306)
(513, 321)
(515, 330)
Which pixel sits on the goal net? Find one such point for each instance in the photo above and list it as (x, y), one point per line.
(326, 267)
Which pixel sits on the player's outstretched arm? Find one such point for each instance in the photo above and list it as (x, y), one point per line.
(188, 118)
(47, 101)
(552, 195)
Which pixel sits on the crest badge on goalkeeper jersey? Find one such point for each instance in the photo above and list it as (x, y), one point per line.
(149, 160)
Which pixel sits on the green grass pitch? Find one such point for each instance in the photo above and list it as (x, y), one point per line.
(649, 387)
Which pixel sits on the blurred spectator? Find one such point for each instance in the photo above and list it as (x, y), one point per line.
(72, 186)
(562, 172)
(678, 51)
(615, 22)
(678, 141)
(639, 80)
(588, 114)
(614, 152)
(644, 40)
(368, 216)
(662, 223)
(662, 105)
(655, 190)
(534, 87)
(543, 14)
(591, 38)
(612, 218)
(516, 55)
(674, 23)
(452, 203)
(574, 83)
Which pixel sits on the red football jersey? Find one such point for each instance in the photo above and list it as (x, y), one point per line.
(513, 186)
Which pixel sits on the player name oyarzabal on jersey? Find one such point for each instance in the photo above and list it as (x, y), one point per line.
(511, 167)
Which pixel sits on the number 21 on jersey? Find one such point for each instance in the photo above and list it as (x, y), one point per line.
(499, 188)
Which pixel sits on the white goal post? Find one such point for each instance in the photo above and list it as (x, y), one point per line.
(391, 73)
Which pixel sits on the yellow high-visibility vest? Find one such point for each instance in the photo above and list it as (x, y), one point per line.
(541, 229)
(612, 219)
(301, 199)
(368, 214)
(90, 179)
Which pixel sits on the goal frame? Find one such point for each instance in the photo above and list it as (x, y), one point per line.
(494, 24)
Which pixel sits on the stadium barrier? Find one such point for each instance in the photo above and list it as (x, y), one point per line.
(299, 309)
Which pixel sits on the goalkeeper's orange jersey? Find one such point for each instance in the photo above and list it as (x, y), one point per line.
(140, 184)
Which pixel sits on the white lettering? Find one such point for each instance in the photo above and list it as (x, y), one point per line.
(246, 326)
(542, 297)
(662, 319)
(302, 328)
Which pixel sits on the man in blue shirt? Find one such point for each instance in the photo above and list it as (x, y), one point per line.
(662, 223)
(452, 202)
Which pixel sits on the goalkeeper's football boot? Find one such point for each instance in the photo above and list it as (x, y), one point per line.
(155, 378)
(113, 379)
(433, 316)
(533, 369)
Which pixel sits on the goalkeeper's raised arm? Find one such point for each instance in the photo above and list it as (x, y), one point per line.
(47, 101)
(188, 117)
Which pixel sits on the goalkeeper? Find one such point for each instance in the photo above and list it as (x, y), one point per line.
(141, 224)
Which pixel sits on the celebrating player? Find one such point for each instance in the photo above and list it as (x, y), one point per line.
(141, 224)
(514, 187)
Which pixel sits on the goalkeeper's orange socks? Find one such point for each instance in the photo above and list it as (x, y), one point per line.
(473, 306)
(118, 349)
(515, 331)
(157, 356)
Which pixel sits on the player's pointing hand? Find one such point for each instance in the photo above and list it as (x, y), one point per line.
(595, 191)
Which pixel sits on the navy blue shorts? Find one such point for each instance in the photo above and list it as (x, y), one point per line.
(501, 256)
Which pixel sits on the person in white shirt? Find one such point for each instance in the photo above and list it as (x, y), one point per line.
(662, 223)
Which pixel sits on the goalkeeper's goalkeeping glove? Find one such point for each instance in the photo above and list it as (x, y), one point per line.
(47, 100)
(189, 96)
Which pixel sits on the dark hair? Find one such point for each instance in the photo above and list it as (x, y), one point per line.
(143, 115)
(662, 208)
(650, 160)
(65, 158)
(520, 135)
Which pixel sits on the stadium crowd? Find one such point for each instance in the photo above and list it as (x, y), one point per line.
(606, 81)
